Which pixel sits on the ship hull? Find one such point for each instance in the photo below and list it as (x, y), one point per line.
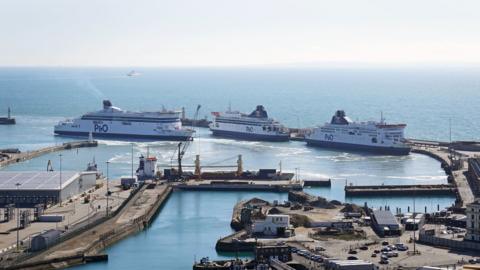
(250, 136)
(360, 148)
(124, 136)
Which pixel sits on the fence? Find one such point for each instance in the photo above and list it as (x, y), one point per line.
(77, 230)
(450, 243)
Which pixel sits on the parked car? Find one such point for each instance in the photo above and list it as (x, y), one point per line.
(374, 255)
(383, 262)
(352, 251)
(386, 249)
(385, 243)
(352, 258)
(364, 247)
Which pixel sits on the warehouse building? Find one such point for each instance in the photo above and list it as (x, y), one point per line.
(26, 189)
(385, 223)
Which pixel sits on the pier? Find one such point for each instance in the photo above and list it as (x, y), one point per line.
(396, 190)
(452, 162)
(133, 215)
(8, 158)
(240, 185)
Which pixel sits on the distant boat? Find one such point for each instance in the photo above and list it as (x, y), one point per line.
(133, 73)
(9, 120)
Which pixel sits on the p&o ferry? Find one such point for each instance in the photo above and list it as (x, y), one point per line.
(371, 136)
(254, 126)
(117, 123)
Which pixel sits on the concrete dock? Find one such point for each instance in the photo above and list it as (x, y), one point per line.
(240, 185)
(11, 158)
(400, 190)
(132, 216)
(458, 178)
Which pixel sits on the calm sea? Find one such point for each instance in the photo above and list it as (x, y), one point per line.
(191, 222)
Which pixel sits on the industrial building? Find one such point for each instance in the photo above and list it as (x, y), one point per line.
(273, 225)
(27, 189)
(385, 223)
(334, 264)
(473, 221)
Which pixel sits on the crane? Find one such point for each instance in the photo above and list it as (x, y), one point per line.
(183, 146)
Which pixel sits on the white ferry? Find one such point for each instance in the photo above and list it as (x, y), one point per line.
(254, 126)
(370, 136)
(117, 123)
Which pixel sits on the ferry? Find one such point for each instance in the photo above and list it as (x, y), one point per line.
(117, 123)
(371, 136)
(133, 73)
(254, 126)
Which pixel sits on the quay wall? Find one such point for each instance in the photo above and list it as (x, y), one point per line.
(400, 190)
(15, 158)
(140, 223)
(103, 241)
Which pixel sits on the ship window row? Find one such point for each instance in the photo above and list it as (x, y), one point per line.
(240, 122)
(152, 120)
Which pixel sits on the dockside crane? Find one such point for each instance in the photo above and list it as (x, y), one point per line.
(183, 146)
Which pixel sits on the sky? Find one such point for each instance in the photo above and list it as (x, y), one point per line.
(237, 33)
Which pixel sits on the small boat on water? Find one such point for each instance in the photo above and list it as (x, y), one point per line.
(9, 120)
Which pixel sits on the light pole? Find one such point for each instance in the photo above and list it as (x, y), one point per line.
(132, 161)
(60, 188)
(108, 190)
(18, 218)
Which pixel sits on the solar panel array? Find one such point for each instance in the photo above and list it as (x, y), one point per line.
(35, 180)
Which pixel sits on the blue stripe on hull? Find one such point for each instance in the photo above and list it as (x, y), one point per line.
(360, 148)
(250, 137)
(124, 136)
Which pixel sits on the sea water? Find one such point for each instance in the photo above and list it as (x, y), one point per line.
(191, 222)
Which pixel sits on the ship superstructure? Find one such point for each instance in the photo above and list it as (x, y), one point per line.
(254, 126)
(371, 136)
(115, 122)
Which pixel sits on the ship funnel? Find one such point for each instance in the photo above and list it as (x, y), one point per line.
(107, 104)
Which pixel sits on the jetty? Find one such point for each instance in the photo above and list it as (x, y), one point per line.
(8, 157)
(240, 185)
(452, 162)
(395, 190)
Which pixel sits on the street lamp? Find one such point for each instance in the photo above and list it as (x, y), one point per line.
(60, 188)
(132, 161)
(108, 190)
(18, 218)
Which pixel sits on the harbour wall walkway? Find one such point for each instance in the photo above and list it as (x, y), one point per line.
(11, 158)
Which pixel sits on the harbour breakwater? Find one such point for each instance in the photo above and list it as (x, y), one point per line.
(11, 157)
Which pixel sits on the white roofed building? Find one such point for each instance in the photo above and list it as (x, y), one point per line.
(43, 187)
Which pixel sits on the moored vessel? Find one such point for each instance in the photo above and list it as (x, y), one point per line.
(254, 126)
(371, 136)
(113, 122)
